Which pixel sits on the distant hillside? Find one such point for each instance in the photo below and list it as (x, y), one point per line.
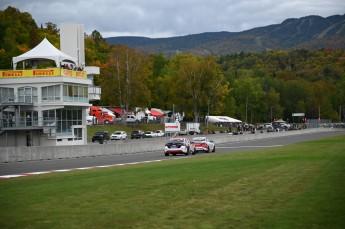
(311, 32)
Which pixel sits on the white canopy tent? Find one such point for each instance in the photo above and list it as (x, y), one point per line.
(42, 52)
(222, 119)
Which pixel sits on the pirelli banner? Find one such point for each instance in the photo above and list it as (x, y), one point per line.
(42, 73)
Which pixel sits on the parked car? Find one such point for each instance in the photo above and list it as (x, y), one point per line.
(119, 135)
(149, 134)
(104, 135)
(159, 133)
(177, 145)
(137, 134)
(276, 127)
(90, 120)
(285, 126)
(267, 126)
(203, 144)
(132, 119)
(183, 132)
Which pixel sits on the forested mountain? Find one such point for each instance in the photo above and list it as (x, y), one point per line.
(311, 32)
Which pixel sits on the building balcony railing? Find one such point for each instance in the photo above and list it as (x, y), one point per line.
(26, 123)
(14, 99)
(9, 99)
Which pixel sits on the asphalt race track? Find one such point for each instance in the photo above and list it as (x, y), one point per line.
(16, 169)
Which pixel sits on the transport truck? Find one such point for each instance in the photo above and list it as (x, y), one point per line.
(102, 116)
(193, 128)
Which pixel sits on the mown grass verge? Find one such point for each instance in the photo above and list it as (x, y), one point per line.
(298, 186)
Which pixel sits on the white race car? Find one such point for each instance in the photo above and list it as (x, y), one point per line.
(203, 144)
(177, 145)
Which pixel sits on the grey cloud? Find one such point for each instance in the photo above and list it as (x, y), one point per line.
(162, 18)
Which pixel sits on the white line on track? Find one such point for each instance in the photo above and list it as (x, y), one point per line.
(83, 168)
(236, 147)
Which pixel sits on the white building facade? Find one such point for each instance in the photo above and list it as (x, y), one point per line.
(44, 106)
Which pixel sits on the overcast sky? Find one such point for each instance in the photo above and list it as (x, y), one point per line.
(167, 18)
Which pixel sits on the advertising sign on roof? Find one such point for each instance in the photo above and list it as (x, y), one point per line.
(42, 73)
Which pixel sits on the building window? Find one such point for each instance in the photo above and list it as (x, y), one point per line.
(6, 95)
(75, 93)
(65, 119)
(78, 134)
(27, 94)
(51, 93)
(49, 118)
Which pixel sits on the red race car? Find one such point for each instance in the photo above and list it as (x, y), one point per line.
(202, 144)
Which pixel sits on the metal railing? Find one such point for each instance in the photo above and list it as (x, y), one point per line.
(10, 122)
(15, 98)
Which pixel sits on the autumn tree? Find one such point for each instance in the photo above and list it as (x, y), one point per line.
(196, 83)
(18, 34)
(96, 49)
(124, 79)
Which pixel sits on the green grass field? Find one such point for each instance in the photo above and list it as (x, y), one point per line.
(298, 186)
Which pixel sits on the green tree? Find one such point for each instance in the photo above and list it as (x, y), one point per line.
(125, 78)
(159, 68)
(97, 51)
(199, 84)
(249, 97)
(18, 34)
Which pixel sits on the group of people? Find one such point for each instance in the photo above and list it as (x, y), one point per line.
(71, 67)
(8, 120)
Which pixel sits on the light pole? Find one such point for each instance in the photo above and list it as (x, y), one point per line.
(246, 107)
(271, 113)
(208, 114)
(339, 114)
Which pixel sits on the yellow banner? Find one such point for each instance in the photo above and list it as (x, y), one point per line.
(42, 73)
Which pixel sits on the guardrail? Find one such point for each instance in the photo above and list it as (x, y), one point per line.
(36, 153)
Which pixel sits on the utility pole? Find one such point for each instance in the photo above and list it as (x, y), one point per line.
(246, 107)
(173, 115)
(208, 114)
(339, 114)
(271, 113)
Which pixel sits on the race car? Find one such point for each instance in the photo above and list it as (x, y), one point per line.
(202, 144)
(177, 145)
